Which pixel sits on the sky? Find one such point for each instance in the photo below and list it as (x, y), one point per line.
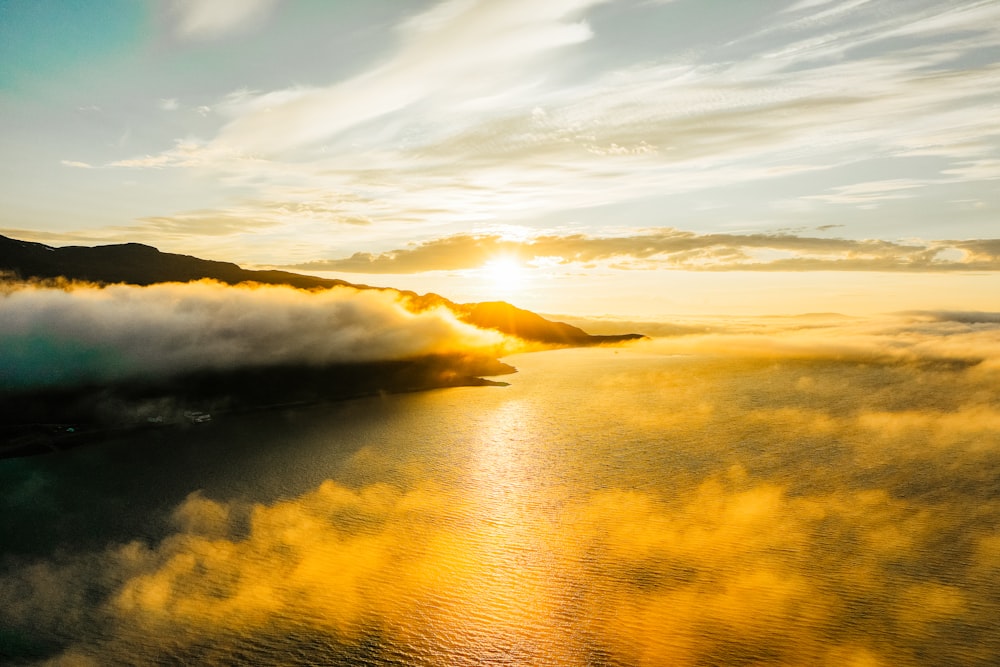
(629, 158)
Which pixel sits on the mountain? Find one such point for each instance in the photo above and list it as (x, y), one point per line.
(63, 414)
(136, 264)
(527, 325)
(139, 264)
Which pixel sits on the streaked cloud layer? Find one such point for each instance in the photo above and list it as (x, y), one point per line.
(280, 133)
(679, 249)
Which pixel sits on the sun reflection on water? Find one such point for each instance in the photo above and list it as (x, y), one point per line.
(512, 597)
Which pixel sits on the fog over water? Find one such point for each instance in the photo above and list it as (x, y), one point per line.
(77, 332)
(774, 492)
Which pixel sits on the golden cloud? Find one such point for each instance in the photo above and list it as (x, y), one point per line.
(678, 249)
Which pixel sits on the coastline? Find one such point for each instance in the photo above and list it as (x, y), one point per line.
(52, 420)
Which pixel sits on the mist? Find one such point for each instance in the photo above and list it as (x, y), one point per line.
(51, 336)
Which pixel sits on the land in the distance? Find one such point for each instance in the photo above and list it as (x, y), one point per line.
(52, 419)
(137, 264)
(39, 420)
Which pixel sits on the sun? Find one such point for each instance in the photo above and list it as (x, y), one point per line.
(504, 275)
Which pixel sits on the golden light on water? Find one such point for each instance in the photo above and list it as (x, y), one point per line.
(508, 605)
(662, 504)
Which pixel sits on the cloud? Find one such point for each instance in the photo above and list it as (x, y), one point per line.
(986, 250)
(448, 47)
(200, 223)
(208, 19)
(964, 317)
(926, 337)
(54, 238)
(87, 334)
(672, 248)
(488, 88)
(873, 191)
(76, 164)
(455, 252)
(728, 568)
(288, 209)
(186, 153)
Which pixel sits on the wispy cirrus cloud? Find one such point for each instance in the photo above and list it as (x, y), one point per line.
(207, 19)
(453, 46)
(447, 95)
(255, 214)
(871, 192)
(76, 164)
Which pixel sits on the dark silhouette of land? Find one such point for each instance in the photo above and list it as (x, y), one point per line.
(138, 264)
(51, 418)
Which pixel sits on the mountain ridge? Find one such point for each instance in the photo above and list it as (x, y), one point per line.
(140, 264)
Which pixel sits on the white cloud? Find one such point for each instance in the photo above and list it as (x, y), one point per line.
(455, 46)
(164, 329)
(871, 191)
(211, 18)
(473, 128)
(807, 4)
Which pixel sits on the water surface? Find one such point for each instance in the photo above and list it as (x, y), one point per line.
(610, 507)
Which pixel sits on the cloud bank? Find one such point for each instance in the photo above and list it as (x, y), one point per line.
(83, 334)
(678, 249)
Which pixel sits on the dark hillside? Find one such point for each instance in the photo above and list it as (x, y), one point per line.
(138, 264)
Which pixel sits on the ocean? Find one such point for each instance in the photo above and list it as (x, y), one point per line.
(612, 506)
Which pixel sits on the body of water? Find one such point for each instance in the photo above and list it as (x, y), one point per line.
(610, 507)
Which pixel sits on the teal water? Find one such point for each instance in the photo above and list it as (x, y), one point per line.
(610, 507)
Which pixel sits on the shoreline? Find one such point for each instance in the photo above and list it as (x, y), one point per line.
(41, 438)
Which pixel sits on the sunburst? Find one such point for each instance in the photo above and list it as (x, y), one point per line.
(504, 275)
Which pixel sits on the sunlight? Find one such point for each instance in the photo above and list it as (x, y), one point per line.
(504, 275)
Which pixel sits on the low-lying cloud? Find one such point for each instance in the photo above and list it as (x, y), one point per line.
(85, 333)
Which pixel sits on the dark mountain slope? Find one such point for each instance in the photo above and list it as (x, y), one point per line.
(136, 264)
(139, 264)
(527, 325)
